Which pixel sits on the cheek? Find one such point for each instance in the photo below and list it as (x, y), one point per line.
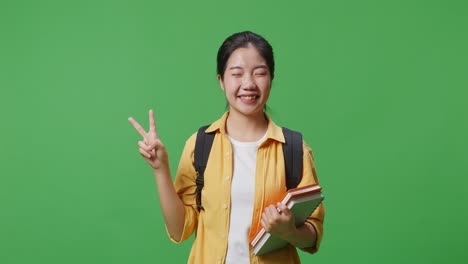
(232, 84)
(265, 85)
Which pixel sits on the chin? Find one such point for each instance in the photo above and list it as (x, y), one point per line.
(249, 112)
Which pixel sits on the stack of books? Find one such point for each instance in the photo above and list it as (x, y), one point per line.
(302, 202)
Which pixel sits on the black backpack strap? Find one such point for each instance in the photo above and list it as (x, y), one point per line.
(201, 153)
(293, 153)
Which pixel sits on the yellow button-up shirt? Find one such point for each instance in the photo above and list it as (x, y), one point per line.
(212, 223)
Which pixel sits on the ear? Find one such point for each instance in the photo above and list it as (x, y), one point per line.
(221, 83)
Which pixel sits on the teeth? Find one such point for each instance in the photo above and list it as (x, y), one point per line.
(250, 97)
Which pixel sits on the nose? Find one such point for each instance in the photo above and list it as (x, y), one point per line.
(248, 83)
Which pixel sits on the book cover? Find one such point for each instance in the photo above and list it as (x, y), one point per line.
(302, 202)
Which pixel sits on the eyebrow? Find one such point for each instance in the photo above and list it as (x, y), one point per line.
(256, 67)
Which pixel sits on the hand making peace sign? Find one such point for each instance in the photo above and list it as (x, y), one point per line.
(151, 148)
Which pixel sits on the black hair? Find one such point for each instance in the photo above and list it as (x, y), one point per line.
(242, 40)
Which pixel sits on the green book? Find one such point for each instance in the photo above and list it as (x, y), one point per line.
(302, 202)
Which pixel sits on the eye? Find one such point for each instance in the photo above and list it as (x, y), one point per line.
(236, 74)
(261, 73)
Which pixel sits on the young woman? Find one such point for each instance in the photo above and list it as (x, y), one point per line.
(245, 171)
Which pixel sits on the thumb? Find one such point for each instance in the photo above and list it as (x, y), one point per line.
(155, 144)
(282, 209)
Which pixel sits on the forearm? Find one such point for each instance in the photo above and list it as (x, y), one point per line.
(303, 236)
(171, 205)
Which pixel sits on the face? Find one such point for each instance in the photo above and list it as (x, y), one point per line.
(246, 82)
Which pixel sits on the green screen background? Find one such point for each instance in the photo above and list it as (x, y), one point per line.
(378, 88)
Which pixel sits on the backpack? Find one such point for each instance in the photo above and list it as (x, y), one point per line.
(292, 150)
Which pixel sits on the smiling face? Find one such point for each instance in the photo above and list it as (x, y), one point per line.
(246, 82)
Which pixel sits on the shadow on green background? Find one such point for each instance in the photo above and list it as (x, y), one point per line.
(379, 90)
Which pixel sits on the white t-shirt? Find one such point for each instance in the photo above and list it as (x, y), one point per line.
(242, 200)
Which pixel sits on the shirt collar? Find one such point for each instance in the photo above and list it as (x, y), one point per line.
(273, 131)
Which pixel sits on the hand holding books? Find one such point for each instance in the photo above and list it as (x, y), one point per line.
(294, 208)
(278, 220)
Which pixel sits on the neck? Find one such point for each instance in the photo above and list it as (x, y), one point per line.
(246, 128)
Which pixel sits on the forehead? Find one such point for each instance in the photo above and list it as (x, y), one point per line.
(245, 56)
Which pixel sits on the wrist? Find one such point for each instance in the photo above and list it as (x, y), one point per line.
(291, 235)
(303, 236)
(164, 168)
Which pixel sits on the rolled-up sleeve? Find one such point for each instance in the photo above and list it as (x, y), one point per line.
(185, 187)
(309, 176)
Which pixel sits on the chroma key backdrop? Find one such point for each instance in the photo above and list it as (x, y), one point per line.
(378, 89)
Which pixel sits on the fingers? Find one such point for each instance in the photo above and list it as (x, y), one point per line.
(269, 217)
(144, 146)
(274, 215)
(144, 153)
(146, 150)
(149, 150)
(271, 212)
(265, 224)
(149, 146)
(152, 123)
(137, 126)
(282, 209)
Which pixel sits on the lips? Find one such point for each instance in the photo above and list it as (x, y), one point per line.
(248, 97)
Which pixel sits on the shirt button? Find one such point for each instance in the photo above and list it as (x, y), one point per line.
(227, 178)
(228, 153)
(225, 206)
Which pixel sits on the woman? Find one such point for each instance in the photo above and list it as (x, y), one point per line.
(245, 171)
